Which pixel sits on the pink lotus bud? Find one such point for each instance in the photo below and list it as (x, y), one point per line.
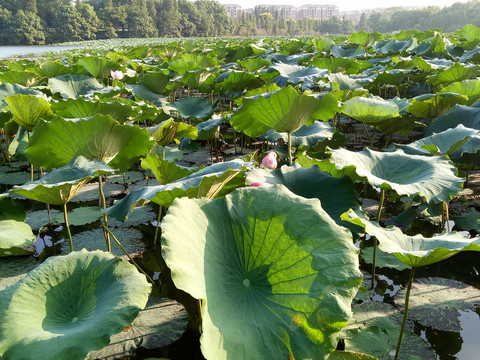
(269, 161)
(116, 75)
(258, 184)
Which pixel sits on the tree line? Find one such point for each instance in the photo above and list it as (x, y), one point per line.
(24, 22)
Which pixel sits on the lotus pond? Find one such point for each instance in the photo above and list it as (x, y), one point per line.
(249, 198)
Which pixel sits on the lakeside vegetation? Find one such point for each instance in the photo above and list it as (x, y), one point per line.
(31, 22)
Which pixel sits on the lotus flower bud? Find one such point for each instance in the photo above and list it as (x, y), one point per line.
(258, 184)
(269, 161)
(116, 75)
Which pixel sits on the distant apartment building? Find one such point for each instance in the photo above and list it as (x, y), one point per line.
(318, 11)
(355, 15)
(289, 11)
(233, 10)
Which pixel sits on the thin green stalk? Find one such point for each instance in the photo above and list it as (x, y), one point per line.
(159, 218)
(65, 217)
(107, 230)
(105, 217)
(368, 135)
(375, 242)
(447, 216)
(289, 148)
(405, 311)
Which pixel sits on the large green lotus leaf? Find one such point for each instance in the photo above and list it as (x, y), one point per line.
(156, 82)
(416, 250)
(275, 272)
(83, 108)
(96, 66)
(370, 110)
(365, 39)
(165, 171)
(181, 66)
(12, 89)
(206, 182)
(434, 178)
(15, 236)
(375, 328)
(307, 135)
(452, 142)
(70, 305)
(383, 259)
(24, 78)
(81, 216)
(73, 86)
(469, 88)
(14, 178)
(209, 129)
(351, 53)
(194, 107)
(283, 111)
(141, 92)
(468, 116)
(337, 195)
(455, 73)
(470, 33)
(169, 130)
(28, 109)
(389, 77)
(394, 46)
(340, 81)
(55, 143)
(53, 68)
(325, 165)
(437, 302)
(237, 82)
(161, 323)
(253, 64)
(296, 74)
(433, 105)
(61, 184)
(321, 43)
(468, 221)
(341, 65)
(198, 79)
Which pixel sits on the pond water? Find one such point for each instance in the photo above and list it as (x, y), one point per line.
(9, 51)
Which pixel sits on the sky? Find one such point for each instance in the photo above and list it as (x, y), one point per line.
(344, 5)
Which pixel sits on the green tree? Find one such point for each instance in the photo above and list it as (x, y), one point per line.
(5, 25)
(89, 23)
(140, 23)
(26, 29)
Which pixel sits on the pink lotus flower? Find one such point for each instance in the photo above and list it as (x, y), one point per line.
(269, 161)
(116, 75)
(258, 184)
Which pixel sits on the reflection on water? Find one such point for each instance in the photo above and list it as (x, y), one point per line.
(9, 51)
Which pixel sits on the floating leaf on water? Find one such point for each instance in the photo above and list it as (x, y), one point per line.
(161, 323)
(39, 218)
(130, 177)
(14, 268)
(94, 239)
(437, 302)
(90, 192)
(81, 216)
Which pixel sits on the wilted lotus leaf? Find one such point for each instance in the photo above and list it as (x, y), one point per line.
(70, 305)
(276, 274)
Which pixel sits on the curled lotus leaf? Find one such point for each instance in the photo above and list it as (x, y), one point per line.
(296, 74)
(307, 135)
(28, 109)
(15, 236)
(276, 274)
(371, 110)
(60, 185)
(73, 86)
(433, 178)
(416, 250)
(70, 305)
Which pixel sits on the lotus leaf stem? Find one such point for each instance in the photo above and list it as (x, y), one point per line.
(289, 149)
(107, 230)
(368, 135)
(405, 311)
(375, 242)
(159, 218)
(105, 216)
(65, 217)
(447, 216)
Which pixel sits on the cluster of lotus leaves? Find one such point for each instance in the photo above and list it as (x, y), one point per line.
(275, 273)
(70, 305)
